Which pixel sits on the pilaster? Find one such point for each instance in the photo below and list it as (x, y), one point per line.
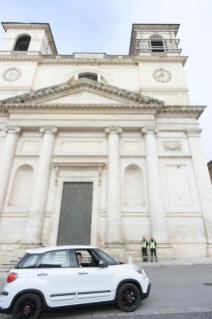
(33, 230)
(155, 196)
(6, 159)
(114, 240)
(203, 182)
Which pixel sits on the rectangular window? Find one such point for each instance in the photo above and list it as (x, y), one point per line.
(55, 259)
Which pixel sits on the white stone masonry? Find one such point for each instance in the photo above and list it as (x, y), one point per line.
(114, 230)
(35, 219)
(156, 205)
(6, 160)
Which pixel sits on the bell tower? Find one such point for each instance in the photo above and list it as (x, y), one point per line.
(154, 38)
(161, 66)
(33, 38)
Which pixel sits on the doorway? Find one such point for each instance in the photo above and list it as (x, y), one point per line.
(75, 214)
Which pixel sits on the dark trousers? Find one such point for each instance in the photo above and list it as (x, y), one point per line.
(153, 252)
(144, 253)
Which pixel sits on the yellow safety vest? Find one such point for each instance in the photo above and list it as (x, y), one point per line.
(143, 243)
(152, 244)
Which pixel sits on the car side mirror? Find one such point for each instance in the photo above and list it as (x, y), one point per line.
(102, 263)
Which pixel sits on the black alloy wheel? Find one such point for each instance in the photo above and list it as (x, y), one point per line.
(27, 306)
(128, 297)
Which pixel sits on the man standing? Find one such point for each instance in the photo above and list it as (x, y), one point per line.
(144, 244)
(152, 247)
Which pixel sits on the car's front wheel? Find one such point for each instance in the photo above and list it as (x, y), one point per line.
(27, 306)
(128, 297)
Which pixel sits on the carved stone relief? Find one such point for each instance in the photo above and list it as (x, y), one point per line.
(172, 146)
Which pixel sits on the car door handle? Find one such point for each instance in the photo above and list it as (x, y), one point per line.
(82, 273)
(42, 274)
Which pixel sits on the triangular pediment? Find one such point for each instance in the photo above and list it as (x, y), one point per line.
(83, 91)
(82, 96)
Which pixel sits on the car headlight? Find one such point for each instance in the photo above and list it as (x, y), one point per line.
(138, 269)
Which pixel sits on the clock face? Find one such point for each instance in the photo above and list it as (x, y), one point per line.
(11, 74)
(162, 75)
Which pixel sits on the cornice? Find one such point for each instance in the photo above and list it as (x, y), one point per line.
(84, 107)
(183, 109)
(72, 60)
(156, 27)
(166, 109)
(56, 91)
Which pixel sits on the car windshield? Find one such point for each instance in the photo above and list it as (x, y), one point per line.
(106, 257)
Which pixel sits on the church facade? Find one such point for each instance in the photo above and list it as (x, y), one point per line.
(100, 149)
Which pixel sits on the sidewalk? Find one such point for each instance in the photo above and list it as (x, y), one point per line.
(178, 262)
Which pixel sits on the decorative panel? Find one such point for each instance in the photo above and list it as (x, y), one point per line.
(178, 185)
(133, 147)
(81, 147)
(30, 147)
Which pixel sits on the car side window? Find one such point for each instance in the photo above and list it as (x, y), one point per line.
(55, 259)
(87, 258)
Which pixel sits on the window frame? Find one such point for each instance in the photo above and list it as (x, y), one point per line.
(96, 252)
(17, 39)
(80, 76)
(50, 251)
(72, 258)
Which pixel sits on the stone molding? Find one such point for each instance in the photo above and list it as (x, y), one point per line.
(181, 109)
(193, 132)
(69, 87)
(48, 129)
(152, 129)
(72, 60)
(15, 129)
(113, 129)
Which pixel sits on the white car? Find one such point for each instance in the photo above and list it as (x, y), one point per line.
(50, 277)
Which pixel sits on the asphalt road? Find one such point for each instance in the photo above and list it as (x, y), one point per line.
(179, 290)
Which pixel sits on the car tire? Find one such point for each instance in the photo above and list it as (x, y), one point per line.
(128, 297)
(29, 305)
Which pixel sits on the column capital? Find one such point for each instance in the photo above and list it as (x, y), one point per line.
(12, 129)
(193, 132)
(113, 129)
(152, 129)
(48, 129)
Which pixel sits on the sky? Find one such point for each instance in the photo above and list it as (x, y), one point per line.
(105, 26)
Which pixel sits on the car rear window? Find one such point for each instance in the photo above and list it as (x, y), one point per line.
(28, 261)
(55, 259)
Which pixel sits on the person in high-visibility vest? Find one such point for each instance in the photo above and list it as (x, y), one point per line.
(144, 244)
(152, 247)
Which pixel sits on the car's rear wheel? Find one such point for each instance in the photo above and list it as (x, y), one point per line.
(128, 297)
(27, 306)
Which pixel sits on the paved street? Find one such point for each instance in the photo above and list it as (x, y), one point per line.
(177, 292)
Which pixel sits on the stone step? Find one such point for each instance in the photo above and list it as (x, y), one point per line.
(7, 264)
(5, 269)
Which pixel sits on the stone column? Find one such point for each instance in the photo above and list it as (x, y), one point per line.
(203, 182)
(6, 160)
(34, 225)
(156, 206)
(114, 224)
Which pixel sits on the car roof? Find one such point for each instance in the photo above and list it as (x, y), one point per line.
(62, 247)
